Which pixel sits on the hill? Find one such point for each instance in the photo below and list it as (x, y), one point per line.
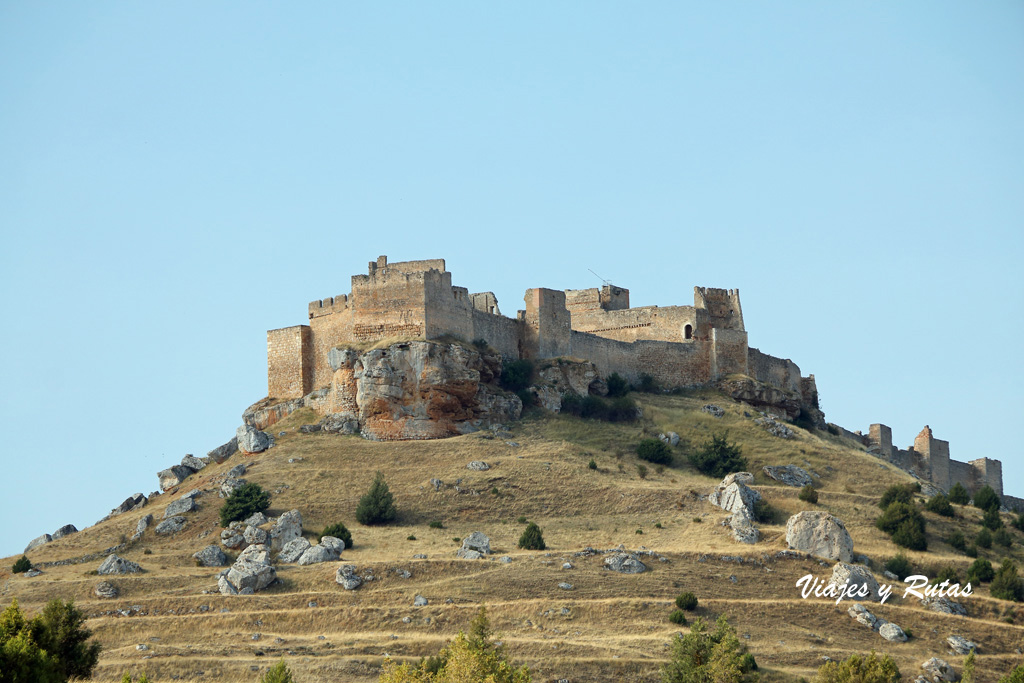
(171, 622)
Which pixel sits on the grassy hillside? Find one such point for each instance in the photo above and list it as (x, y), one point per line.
(609, 627)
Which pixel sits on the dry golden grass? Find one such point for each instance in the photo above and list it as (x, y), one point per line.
(615, 626)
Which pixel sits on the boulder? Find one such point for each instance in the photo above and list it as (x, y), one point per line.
(173, 476)
(171, 525)
(775, 428)
(478, 465)
(255, 519)
(819, 533)
(713, 410)
(251, 572)
(420, 601)
(293, 549)
(862, 615)
(944, 605)
(130, 503)
(232, 539)
(477, 543)
(143, 524)
(287, 528)
(309, 429)
(222, 453)
(790, 475)
(38, 541)
(565, 585)
(960, 645)
(855, 576)
(116, 565)
(317, 554)
(252, 440)
(743, 529)
(254, 535)
(624, 563)
(181, 506)
(230, 485)
(892, 632)
(939, 670)
(347, 577)
(211, 556)
(65, 530)
(236, 471)
(193, 462)
(339, 423)
(670, 438)
(333, 543)
(735, 497)
(105, 589)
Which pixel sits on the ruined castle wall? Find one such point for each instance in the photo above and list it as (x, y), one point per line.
(671, 364)
(289, 362)
(389, 303)
(722, 305)
(778, 372)
(546, 324)
(963, 473)
(328, 331)
(1014, 503)
(852, 436)
(449, 310)
(729, 353)
(986, 472)
(416, 266)
(501, 333)
(648, 322)
(880, 436)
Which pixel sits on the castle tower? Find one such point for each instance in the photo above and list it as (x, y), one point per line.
(546, 324)
(934, 452)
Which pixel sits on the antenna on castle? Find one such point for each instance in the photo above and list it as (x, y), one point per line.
(603, 281)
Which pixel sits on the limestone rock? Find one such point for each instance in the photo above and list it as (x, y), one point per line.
(38, 541)
(478, 465)
(420, 601)
(340, 423)
(171, 525)
(251, 572)
(211, 556)
(222, 453)
(819, 533)
(230, 485)
(775, 428)
(334, 544)
(564, 585)
(566, 377)
(624, 563)
(892, 632)
(862, 615)
(254, 535)
(855, 576)
(287, 528)
(735, 496)
(181, 506)
(65, 530)
(252, 440)
(738, 477)
(762, 396)
(194, 463)
(232, 539)
(347, 577)
(293, 549)
(317, 554)
(939, 670)
(790, 475)
(116, 565)
(944, 605)
(713, 410)
(236, 471)
(105, 589)
(255, 519)
(143, 524)
(309, 429)
(743, 529)
(130, 503)
(670, 438)
(960, 645)
(476, 543)
(173, 475)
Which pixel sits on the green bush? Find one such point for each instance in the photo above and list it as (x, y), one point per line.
(763, 512)
(1019, 522)
(622, 409)
(641, 470)
(703, 655)
(959, 495)
(860, 669)
(1015, 676)
(678, 617)
(516, 374)
(980, 571)
(1007, 584)
(971, 551)
(21, 565)
(717, 457)
(521, 519)
(617, 385)
(686, 601)
(939, 504)
(983, 539)
(986, 499)
(654, 450)
(278, 673)
(991, 519)
(946, 573)
(748, 663)
(50, 648)
(532, 538)
(809, 494)
(339, 531)
(377, 506)
(1002, 537)
(909, 534)
(648, 384)
(410, 537)
(896, 514)
(246, 500)
(957, 540)
(899, 565)
(898, 493)
(436, 524)
(480, 344)
(592, 464)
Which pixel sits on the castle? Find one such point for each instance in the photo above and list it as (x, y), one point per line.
(677, 346)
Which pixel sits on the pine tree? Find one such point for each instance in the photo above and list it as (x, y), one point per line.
(377, 506)
(532, 538)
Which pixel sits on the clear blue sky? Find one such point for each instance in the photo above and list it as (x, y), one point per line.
(177, 178)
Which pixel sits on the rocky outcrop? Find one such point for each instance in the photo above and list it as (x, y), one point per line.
(211, 556)
(939, 671)
(790, 475)
(734, 496)
(194, 463)
(474, 546)
(173, 476)
(181, 506)
(960, 645)
(171, 525)
(317, 554)
(762, 396)
(105, 589)
(670, 438)
(292, 550)
(564, 376)
(944, 605)
(222, 453)
(334, 544)
(478, 465)
(130, 503)
(65, 530)
(624, 563)
(347, 578)
(38, 541)
(252, 440)
(117, 565)
(287, 528)
(892, 632)
(819, 533)
(856, 579)
(251, 572)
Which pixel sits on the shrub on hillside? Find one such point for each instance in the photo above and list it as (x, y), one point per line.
(339, 531)
(654, 450)
(809, 494)
(939, 504)
(21, 565)
(617, 385)
(279, 673)
(957, 540)
(899, 565)
(622, 409)
(991, 519)
(1015, 676)
(377, 506)
(717, 457)
(870, 669)
(647, 384)
(1006, 585)
(946, 573)
(986, 499)
(910, 535)
(1002, 537)
(980, 571)
(50, 648)
(532, 538)
(246, 500)
(516, 374)
(959, 495)
(899, 493)
(983, 539)
(678, 616)
(703, 655)
(1018, 523)
(686, 601)
(897, 513)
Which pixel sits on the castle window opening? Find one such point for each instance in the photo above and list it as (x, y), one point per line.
(688, 332)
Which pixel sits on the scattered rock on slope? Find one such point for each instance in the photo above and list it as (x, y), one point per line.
(347, 577)
(38, 541)
(251, 572)
(819, 533)
(65, 530)
(171, 525)
(855, 577)
(105, 589)
(474, 546)
(790, 475)
(287, 528)
(222, 453)
(624, 563)
(211, 556)
(130, 503)
(173, 475)
(181, 506)
(252, 440)
(117, 565)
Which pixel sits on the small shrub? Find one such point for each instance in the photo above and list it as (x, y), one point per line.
(763, 512)
(910, 535)
(946, 573)
(147, 551)
(905, 520)
(480, 344)
(698, 520)
(678, 617)
(532, 538)
(436, 524)
(527, 397)
(617, 385)
(657, 525)
(621, 409)
(338, 530)
(899, 565)
(648, 384)
(959, 495)
(870, 669)
(897, 493)
(377, 506)
(22, 565)
(521, 519)
(980, 571)
(971, 551)
(410, 537)
(986, 499)
(717, 457)
(246, 500)
(1002, 537)
(495, 491)
(279, 673)
(516, 375)
(809, 494)
(654, 450)
(939, 504)
(991, 519)
(1007, 584)
(1019, 522)
(747, 663)
(686, 601)
(641, 470)
(456, 539)
(640, 531)
(592, 464)
(957, 540)
(1015, 676)
(983, 539)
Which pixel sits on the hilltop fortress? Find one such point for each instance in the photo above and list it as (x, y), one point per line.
(678, 346)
